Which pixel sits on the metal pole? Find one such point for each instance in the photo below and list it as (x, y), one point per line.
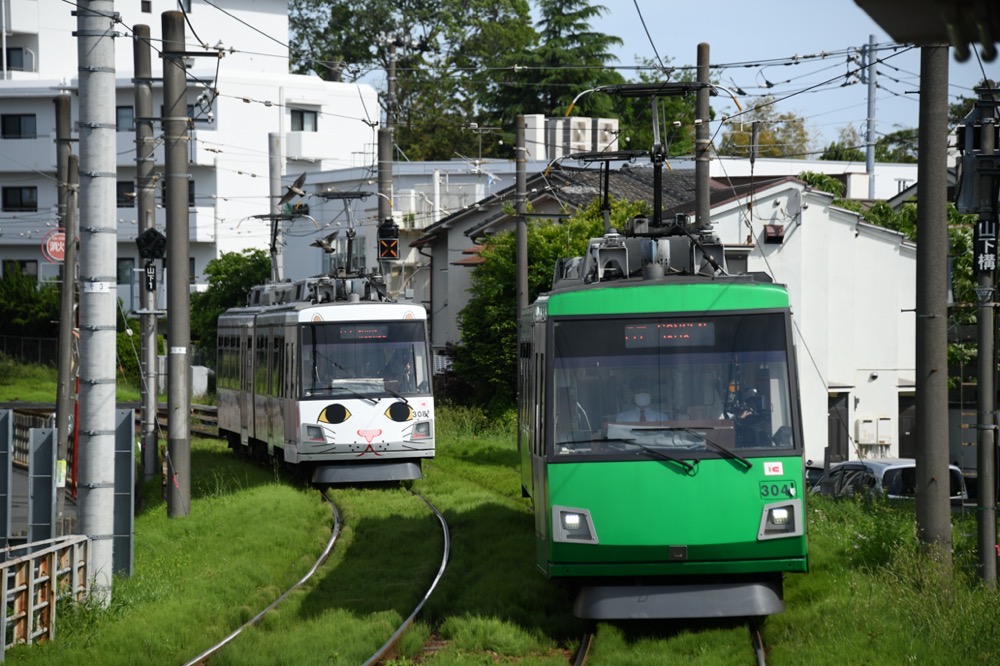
(986, 358)
(385, 141)
(870, 133)
(521, 200)
(274, 169)
(933, 504)
(145, 210)
(64, 398)
(702, 143)
(175, 122)
(98, 286)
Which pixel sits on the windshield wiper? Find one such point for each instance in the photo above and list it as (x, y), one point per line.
(656, 453)
(705, 438)
(395, 395)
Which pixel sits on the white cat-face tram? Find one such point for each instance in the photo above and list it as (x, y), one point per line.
(330, 379)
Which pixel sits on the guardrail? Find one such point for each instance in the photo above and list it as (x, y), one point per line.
(204, 420)
(31, 586)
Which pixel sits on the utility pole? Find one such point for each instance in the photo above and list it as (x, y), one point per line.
(175, 138)
(701, 142)
(275, 160)
(67, 298)
(385, 145)
(145, 208)
(870, 72)
(98, 297)
(978, 194)
(933, 504)
(521, 202)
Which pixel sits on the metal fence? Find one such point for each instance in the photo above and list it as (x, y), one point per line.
(44, 351)
(33, 578)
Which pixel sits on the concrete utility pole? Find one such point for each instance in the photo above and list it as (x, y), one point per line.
(99, 295)
(275, 160)
(67, 298)
(175, 138)
(701, 142)
(145, 210)
(872, 78)
(933, 503)
(521, 202)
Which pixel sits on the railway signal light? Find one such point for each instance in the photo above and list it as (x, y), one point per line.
(388, 240)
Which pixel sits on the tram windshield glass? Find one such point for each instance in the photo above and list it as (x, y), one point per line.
(369, 359)
(684, 384)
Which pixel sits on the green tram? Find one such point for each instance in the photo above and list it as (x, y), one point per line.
(660, 432)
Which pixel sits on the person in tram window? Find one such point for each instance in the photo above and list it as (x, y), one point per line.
(642, 409)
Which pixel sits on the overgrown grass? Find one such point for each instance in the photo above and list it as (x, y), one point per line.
(32, 382)
(870, 597)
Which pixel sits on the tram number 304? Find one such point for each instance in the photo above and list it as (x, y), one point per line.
(778, 489)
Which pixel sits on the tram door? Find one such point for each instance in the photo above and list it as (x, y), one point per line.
(246, 384)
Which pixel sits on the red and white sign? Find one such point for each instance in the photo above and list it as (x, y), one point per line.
(773, 468)
(54, 246)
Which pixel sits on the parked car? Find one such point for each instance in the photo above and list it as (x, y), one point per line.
(813, 473)
(895, 478)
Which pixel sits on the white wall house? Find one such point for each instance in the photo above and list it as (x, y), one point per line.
(249, 93)
(852, 287)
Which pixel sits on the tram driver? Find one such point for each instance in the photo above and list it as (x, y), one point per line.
(642, 409)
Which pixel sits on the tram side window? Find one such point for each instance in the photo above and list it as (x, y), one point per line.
(260, 381)
(276, 367)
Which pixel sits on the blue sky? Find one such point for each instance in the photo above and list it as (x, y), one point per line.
(762, 35)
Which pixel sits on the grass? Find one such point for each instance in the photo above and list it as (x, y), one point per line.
(870, 597)
(29, 382)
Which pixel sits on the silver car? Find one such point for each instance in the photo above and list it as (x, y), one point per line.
(895, 478)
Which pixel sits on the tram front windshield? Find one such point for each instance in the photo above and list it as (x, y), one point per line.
(678, 384)
(371, 359)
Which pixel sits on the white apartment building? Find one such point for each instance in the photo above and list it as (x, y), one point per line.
(237, 95)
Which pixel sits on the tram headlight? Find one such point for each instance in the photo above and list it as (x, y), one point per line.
(572, 525)
(421, 430)
(781, 519)
(312, 433)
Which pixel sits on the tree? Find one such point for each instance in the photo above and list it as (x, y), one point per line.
(27, 308)
(778, 135)
(847, 148)
(898, 146)
(486, 359)
(230, 278)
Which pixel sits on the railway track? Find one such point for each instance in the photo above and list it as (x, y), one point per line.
(756, 640)
(390, 644)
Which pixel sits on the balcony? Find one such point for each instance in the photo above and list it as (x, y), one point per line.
(201, 224)
(38, 154)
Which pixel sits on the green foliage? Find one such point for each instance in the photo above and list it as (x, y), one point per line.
(778, 135)
(485, 361)
(823, 182)
(230, 278)
(27, 308)
(899, 146)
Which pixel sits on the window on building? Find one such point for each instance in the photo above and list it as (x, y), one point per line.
(191, 273)
(125, 194)
(15, 59)
(125, 118)
(303, 121)
(26, 267)
(17, 126)
(163, 193)
(20, 198)
(147, 6)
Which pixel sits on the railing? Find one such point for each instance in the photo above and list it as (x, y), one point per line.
(32, 584)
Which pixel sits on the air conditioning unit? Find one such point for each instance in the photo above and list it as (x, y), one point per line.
(555, 141)
(606, 134)
(580, 139)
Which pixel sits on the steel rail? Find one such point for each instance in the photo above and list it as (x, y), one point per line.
(382, 651)
(203, 657)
